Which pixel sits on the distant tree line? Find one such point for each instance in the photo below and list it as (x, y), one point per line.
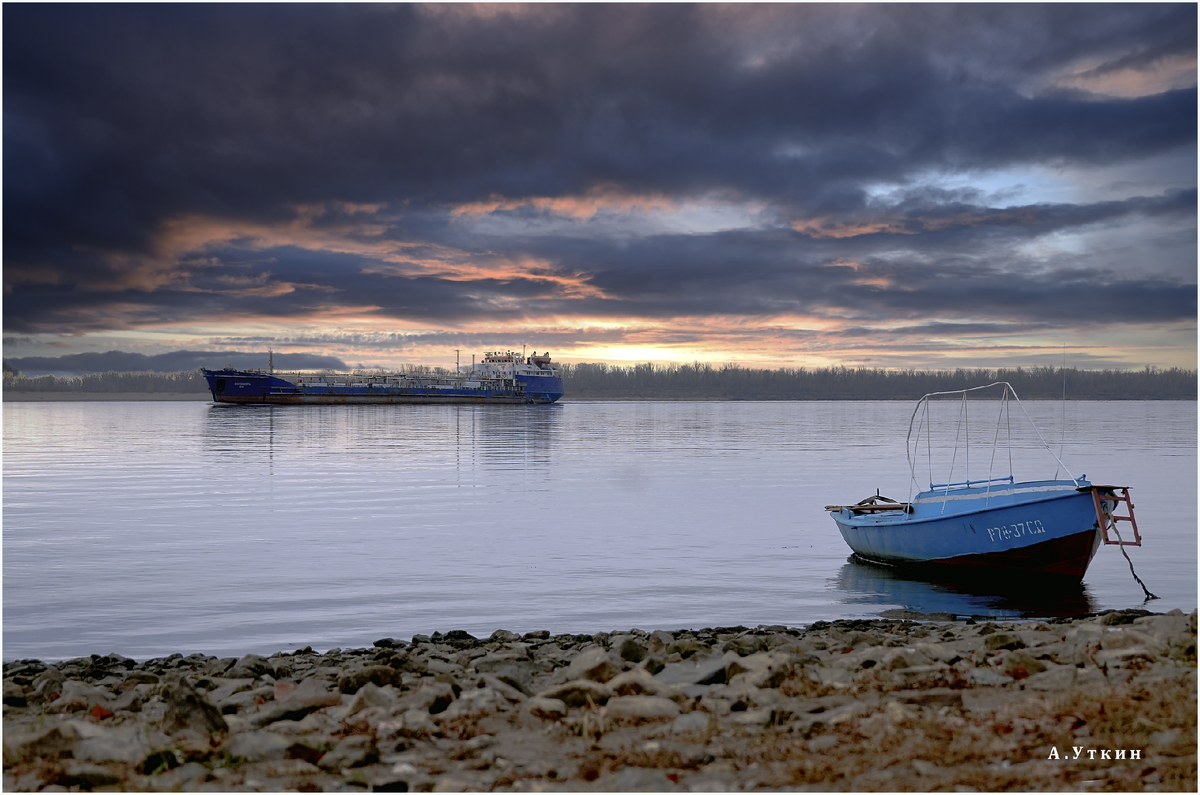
(732, 382)
(186, 381)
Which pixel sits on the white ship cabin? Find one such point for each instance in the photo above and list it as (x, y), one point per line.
(494, 367)
(510, 364)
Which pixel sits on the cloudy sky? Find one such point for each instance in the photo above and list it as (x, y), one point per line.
(893, 186)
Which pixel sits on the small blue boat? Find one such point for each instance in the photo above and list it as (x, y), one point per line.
(992, 526)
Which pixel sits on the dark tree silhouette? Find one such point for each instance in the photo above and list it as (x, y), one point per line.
(731, 382)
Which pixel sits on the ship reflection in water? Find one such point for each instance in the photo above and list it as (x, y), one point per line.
(865, 584)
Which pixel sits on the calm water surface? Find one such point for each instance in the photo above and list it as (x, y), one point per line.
(148, 528)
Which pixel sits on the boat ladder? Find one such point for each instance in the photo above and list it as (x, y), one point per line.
(1109, 519)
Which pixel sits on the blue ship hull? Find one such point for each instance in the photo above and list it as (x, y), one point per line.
(1041, 527)
(240, 386)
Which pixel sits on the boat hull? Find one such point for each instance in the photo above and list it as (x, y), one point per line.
(1045, 528)
(1060, 557)
(242, 387)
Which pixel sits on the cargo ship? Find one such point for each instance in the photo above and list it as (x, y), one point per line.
(502, 377)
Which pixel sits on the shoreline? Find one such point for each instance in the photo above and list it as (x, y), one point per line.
(67, 397)
(1104, 701)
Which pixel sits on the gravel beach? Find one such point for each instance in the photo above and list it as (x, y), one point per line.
(906, 702)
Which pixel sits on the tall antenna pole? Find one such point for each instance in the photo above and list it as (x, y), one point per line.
(271, 360)
(1063, 438)
(457, 368)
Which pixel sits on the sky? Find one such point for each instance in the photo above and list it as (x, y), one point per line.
(896, 186)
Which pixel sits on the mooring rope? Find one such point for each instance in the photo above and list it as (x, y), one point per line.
(1121, 543)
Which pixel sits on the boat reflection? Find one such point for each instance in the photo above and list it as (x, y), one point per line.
(1026, 597)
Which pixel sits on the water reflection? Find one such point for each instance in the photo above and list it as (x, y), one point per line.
(238, 430)
(509, 436)
(500, 434)
(864, 584)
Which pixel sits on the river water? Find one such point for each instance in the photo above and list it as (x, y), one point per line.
(147, 528)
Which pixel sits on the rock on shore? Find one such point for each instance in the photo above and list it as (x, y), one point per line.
(1104, 702)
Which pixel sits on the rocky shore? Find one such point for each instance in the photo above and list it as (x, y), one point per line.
(1102, 702)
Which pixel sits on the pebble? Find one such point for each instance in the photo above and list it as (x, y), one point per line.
(869, 703)
(643, 708)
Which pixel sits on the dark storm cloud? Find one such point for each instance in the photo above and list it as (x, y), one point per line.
(121, 119)
(173, 362)
(931, 210)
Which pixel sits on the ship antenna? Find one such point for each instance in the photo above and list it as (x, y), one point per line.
(457, 367)
(270, 360)
(1063, 434)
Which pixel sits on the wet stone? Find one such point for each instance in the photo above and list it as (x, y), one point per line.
(190, 710)
(548, 708)
(641, 708)
(632, 650)
(258, 745)
(14, 694)
(378, 675)
(251, 666)
(595, 664)
(353, 751)
(1004, 640)
(580, 693)
(390, 643)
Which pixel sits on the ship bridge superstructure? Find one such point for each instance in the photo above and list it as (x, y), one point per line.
(510, 364)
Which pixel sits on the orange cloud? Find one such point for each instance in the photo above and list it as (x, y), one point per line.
(462, 12)
(828, 227)
(604, 198)
(190, 233)
(862, 277)
(168, 263)
(1170, 72)
(260, 286)
(183, 235)
(609, 199)
(568, 285)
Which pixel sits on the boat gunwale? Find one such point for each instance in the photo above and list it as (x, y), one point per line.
(910, 517)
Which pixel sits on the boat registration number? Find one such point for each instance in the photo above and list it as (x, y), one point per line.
(1016, 530)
